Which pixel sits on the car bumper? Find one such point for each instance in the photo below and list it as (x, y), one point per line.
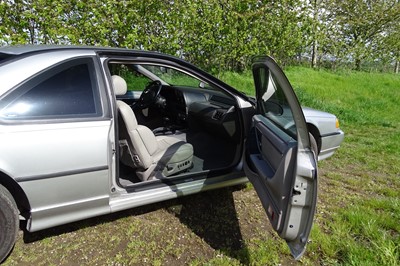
(329, 144)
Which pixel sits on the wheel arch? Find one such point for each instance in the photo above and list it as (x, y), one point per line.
(316, 134)
(18, 194)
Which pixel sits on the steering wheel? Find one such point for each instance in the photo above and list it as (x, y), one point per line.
(149, 95)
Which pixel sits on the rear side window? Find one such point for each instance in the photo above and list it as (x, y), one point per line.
(66, 91)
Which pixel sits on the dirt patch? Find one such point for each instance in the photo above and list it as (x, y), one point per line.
(216, 226)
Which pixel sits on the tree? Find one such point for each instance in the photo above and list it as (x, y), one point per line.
(361, 23)
(215, 34)
(390, 46)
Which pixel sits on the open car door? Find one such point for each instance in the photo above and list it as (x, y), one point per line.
(279, 160)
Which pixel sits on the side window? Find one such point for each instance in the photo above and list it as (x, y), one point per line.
(66, 91)
(135, 81)
(173, 76)
(273, 103)
(138, 76)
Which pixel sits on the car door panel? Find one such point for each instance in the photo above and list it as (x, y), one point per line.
(279, 161)
(273, 147)
(73, 183)
(272, 160)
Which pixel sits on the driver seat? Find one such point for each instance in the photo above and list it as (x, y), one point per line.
(153, 157)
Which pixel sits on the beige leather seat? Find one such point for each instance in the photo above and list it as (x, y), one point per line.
(152, 156)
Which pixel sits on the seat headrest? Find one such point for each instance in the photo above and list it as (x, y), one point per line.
(120, 86)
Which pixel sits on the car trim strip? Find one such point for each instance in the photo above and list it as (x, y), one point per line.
(64, 173)
(330, 134)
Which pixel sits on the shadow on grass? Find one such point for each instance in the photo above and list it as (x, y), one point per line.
(210, 215)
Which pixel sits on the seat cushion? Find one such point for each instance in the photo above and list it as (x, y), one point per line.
(173, 155)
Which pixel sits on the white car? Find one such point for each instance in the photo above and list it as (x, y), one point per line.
(71, 148)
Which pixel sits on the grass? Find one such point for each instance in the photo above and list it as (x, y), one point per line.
(358, 211)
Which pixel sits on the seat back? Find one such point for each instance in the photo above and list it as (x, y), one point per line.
(137, 143)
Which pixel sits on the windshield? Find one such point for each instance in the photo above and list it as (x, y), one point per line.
(172, 76)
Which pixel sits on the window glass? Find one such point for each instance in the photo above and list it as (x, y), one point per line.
(274, 104)
(173, 77)
(135, 80)
(138, 76)
(66, 91)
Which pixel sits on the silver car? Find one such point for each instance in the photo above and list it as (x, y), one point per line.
(325, 134)
(73, 148)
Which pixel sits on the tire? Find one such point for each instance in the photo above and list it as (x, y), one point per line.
(9, 223)
(314, 146)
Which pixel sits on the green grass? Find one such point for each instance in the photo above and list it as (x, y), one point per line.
(358, 217)
(356, 97)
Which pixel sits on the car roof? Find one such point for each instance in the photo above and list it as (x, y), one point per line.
(21, 50)
(24, 49)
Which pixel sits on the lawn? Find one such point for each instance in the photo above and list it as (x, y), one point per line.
(359, 193)
(358, 212)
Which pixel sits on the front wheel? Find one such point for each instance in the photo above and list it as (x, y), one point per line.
(8, 222)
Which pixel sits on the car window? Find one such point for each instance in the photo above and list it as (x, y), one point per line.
(273, 103)
(173, 77)
(65, 91)
(135, 80)
(138, 76)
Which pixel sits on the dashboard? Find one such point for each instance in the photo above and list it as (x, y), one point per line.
(195, 109)
(202, 110)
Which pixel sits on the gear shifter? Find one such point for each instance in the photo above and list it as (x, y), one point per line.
(167, 126)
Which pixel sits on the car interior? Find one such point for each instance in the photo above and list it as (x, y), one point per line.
(170, 124)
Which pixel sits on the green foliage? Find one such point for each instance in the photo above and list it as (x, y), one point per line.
(360, 26)
(215, 34)
(212, 34)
